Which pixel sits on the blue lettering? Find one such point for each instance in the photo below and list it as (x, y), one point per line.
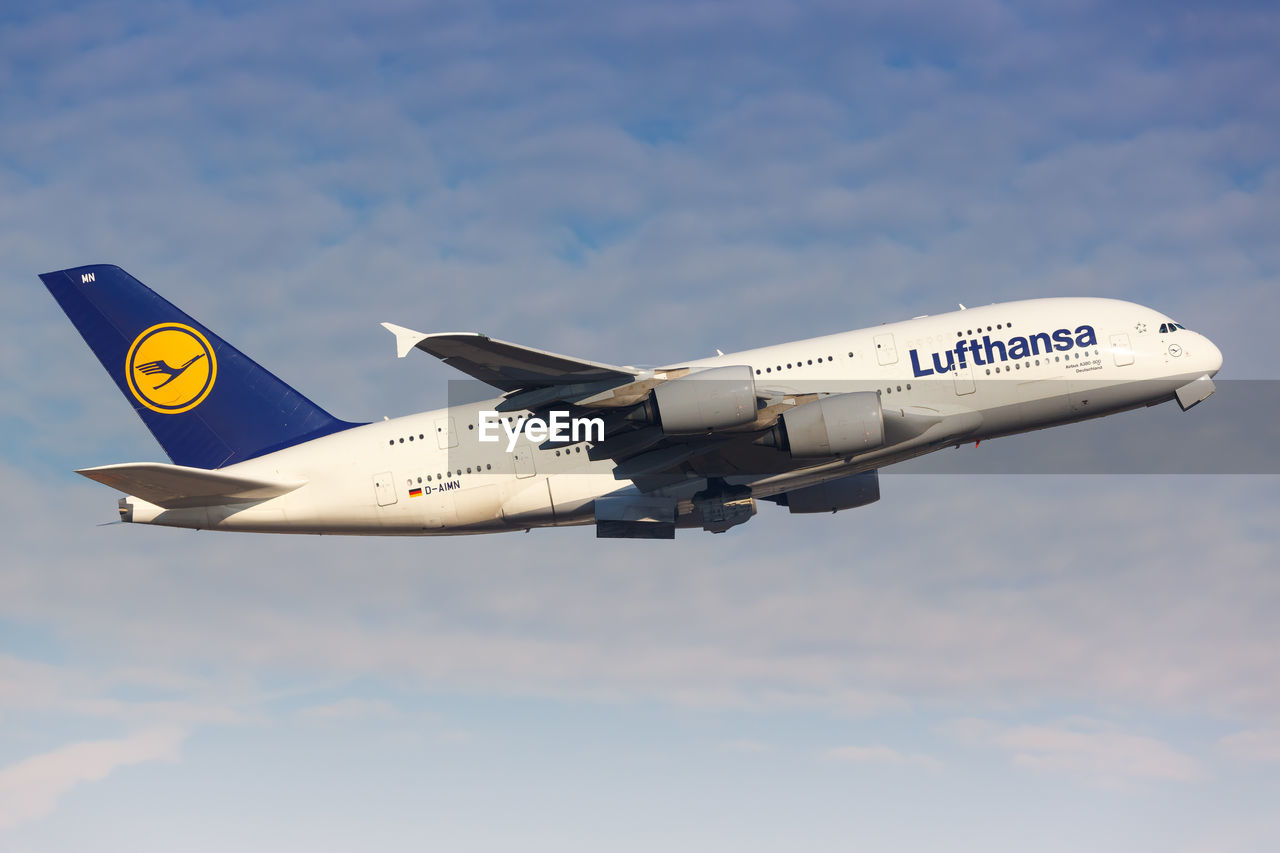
(991, 346)
(915, 366)
(1040, 343)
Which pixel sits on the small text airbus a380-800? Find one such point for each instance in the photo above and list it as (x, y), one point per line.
(635, 452)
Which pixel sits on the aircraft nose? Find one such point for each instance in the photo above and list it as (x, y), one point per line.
(1212, 356)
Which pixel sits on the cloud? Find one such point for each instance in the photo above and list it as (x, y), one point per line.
(345, 709)
(30, 789)
(1001, 607)
(1092, 751)
(159, 696)
(746, 746)
(1252, 745)
(883, 755)
(1106, 757)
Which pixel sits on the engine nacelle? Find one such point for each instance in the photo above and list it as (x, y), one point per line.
(843, 425)
(708, 400)
(845, 493)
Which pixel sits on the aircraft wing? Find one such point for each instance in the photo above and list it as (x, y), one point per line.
(177, 486)
(535, 379)
(511, 367)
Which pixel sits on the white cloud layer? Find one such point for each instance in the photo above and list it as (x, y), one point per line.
(30, 789)
(1106, 757)
(1093, 751)
(880, 754)
(1253, 745)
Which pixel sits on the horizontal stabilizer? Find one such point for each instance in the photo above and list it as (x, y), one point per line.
(176, 486)
(508, 366)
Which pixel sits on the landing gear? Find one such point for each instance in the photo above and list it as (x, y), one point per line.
(720, 506)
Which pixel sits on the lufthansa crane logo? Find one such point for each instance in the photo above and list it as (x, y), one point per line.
(170, 368)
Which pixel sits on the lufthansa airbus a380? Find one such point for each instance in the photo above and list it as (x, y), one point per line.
(635, 452)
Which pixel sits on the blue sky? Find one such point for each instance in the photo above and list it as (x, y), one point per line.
(974, 663)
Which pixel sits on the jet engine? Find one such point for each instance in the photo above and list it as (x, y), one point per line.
(702, 402)
(845, 493)
(843, 425)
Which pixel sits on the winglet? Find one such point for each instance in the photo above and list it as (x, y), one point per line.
(406, 339)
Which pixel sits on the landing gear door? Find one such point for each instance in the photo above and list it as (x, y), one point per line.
(886, 352)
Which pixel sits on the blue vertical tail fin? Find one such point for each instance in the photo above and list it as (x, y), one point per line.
(208, 404)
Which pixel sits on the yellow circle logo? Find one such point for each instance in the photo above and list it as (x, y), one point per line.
(170, 368)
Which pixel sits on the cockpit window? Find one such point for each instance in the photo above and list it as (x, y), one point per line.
(1164, 327)
(1169, 327)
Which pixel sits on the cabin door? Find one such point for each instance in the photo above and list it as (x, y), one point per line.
(1121, 350)
(384, 488)
(524, 462)
(446, 436)
(886, 352)
(964, 379)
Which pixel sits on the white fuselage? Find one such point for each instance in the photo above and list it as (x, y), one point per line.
(428, 474)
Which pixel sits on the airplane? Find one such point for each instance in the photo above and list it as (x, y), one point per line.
(635, 452)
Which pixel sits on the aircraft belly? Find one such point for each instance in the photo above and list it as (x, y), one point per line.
(1093, 397)
(476, 505)
(573, 495)
(531, 506)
